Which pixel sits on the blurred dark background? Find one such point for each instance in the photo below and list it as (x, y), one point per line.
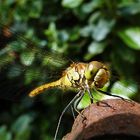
(38, 39)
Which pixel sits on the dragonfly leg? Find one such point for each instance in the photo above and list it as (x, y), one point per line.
(99, 101)
(109, 94)
(70, 103)
(76, 104)
(104, 104)
(73, 114)
(92, 99)
(90, 95)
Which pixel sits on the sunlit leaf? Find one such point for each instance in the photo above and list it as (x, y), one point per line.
(63, 36)
(86, 31)
(71, 3)
(27, 58)
(90, 6)
(124, 89)
(102, 28)
(131, 36)
(86, 99)
(94, 17)
(96, 48)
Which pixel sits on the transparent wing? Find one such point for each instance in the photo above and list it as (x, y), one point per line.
(25, 65)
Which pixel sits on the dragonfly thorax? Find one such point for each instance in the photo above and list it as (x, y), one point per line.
(75, 76)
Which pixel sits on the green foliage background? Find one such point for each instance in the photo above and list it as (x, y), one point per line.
(104, 30)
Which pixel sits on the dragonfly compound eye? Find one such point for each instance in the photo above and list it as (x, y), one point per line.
(92, 68)
(101, 78)
(97, 74)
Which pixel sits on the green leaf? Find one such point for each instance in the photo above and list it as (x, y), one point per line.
(120, 50)
(130, 9)
(131, 36)
(27, 58)
(86, 31)
(126, 2)
(86, 99)
(123, 64)
(17, 46)
(74, 33)
(94, 49)
(102, 29)
(36, 9)
(63, 36)
(31, 75)
(4, 135)
(51, 32)
(21, 127)
(71, 3)
(15, 71)
(84, 102)
(124, 89)
(90, 6)
(94, 18)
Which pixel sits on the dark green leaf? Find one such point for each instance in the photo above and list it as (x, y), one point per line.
(130, 9)
(4, 135)
(21, 127)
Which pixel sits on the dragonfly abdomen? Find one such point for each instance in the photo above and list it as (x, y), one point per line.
(41, 88)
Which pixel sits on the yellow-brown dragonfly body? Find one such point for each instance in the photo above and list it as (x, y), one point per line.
(80, 76)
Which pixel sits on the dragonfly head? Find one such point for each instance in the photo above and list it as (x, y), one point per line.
(97, 74)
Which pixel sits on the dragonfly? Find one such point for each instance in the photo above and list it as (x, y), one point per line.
(79, 76)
